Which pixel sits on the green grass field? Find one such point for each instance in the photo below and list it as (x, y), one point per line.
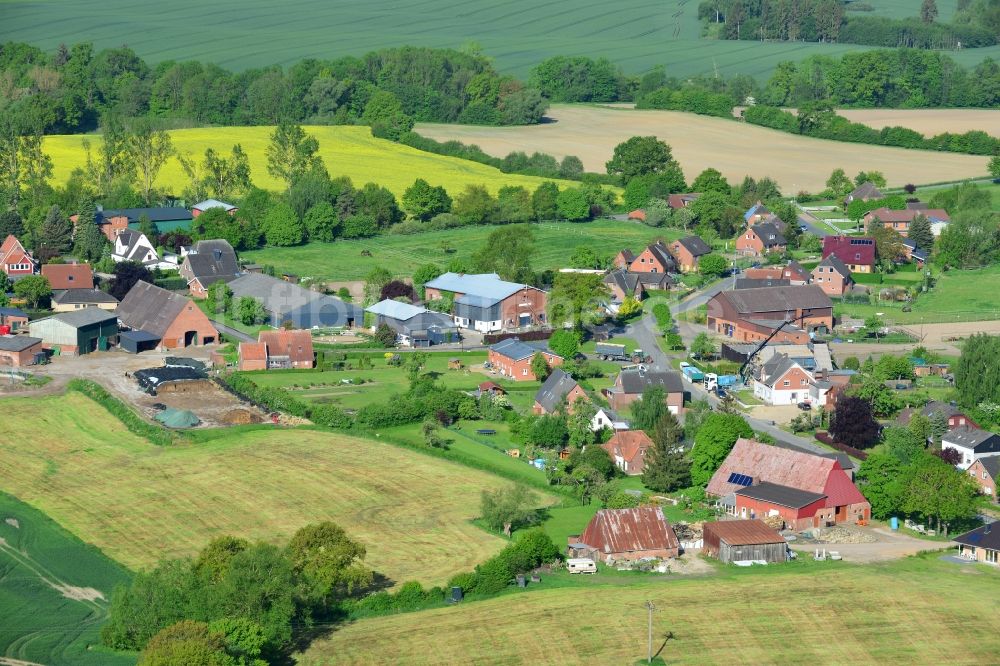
(554, 243)
(346, 151)
(957, 296)
(54, 591)
(516, 33)
(915, 611)
(381, 380)
(139, 503)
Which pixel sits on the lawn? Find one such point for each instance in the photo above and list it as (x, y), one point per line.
(43, 570)
(554, 244)
(381, 381)
(69, 458)
(476, 450)
(517, 34)
(915, 611)
(958, 295)
(346, 151)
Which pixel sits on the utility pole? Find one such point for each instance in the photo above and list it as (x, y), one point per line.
(649, 649)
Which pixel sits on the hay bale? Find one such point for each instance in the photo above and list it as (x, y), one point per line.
(240, 416)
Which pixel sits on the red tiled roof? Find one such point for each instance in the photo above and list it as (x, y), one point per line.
(850, 250)
(637, 214)
(69, 276)
(12, 252)
(626, 530)
(785, 467)
(296, 345)
(628, 444)
(490, 386)
(890, 215)
(253, 351)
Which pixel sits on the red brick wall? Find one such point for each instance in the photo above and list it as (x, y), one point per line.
(190, 319)
(797, 519)
(833, 284)
(519, 371)
(645, 262)
(988, 485)
(21, 358)
(749, 243)
(685, 260)
(526, 301)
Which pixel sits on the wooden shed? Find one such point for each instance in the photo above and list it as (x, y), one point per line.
(740, 540)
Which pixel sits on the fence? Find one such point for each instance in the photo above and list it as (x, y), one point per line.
(524, 336)
(825, 437)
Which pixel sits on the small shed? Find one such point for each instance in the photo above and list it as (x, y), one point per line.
(137, 341)
(740, 540)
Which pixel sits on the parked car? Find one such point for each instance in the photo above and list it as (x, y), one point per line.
(805, 406)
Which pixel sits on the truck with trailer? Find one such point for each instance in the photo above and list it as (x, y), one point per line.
(714, 381)
(610, 352)
(691, 373)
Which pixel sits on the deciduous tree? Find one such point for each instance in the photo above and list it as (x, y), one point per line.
(639, 155)
(508, 508)
(126, 274)
(540, 367)
(331, 562)
(423, 200)
(713, 265)
(33, 288)
(565, 343)
(713, 442)
(852, 423)
(149, 148)
(291, 153)
(507, 252)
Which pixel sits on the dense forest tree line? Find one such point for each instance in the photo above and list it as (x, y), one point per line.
(903, 77)
(70, 90)
(975, 25)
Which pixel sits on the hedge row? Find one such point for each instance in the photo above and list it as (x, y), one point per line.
(691, 100)
(135, 423)
(844, 448)
(279, 400)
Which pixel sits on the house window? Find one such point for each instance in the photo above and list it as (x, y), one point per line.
(857, 256)
(786, 383)
(985, 476)
(991, 556)
(524, 372)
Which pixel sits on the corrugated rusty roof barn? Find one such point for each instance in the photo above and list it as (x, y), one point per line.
(631, 533)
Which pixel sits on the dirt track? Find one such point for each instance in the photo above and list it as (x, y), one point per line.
(698, 142)
(941, 338)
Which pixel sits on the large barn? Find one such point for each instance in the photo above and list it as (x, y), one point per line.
(806, 490)
(287, 302)
(626, 534)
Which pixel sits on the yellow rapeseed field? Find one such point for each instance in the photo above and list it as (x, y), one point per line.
(346, 151)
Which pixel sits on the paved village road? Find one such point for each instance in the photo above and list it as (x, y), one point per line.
(645, 333)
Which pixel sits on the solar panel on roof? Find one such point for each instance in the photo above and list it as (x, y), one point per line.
(741, 479)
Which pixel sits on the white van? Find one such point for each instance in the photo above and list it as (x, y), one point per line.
(581, 565)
